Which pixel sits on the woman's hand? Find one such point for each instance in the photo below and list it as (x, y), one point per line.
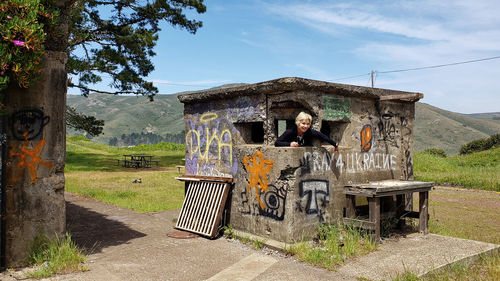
(294, 144)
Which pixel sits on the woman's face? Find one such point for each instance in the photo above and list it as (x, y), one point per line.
(303, 126)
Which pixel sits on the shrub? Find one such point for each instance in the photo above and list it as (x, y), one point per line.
(77, 138)
(436, 152)
(493, 141)
(480, 144)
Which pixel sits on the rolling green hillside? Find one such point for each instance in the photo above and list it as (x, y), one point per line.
(434, 127)
(131, 114)
(438, 128)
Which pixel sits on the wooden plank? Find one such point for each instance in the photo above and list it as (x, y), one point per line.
(389, 185)
(203, 178)
(360, 223)
(358, 191)
(396, 192)
(374, 193)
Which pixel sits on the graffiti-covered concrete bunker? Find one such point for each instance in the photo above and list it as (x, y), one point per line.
(284, 193)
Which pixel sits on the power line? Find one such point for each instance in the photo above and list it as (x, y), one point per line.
(371, 74)
(345, 78)
(439, 65)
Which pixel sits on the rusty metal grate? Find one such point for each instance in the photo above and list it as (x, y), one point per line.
(202, 207)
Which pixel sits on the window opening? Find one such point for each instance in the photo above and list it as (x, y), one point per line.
(282, 125)
(333, 129)
(251, 132)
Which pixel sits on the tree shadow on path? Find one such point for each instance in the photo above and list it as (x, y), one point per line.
(94, 231)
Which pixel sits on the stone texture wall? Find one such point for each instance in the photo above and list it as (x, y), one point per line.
(284, 193)
(35, 158)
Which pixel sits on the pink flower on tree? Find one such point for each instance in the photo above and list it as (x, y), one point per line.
(9, 17)
(18, 43)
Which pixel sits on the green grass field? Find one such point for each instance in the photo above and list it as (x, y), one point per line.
(92, 170)
(477, 171)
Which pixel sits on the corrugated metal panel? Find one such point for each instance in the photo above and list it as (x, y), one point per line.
(202, 207)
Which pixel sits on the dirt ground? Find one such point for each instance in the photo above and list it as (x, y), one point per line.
(125, 245)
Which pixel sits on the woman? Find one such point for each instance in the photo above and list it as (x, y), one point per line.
(303, 135)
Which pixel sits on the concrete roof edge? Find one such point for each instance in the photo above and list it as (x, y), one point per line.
(287, 84)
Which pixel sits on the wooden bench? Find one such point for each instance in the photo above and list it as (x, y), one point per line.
(373, 191)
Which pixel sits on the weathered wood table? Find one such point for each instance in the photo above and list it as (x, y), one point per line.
(373, 191)
(137, 161)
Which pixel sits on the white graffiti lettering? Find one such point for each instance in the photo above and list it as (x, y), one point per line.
(354, 162)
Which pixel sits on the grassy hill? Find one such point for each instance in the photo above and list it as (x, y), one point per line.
(131, 114)
(434, 127)
(489, 115)
(439, 128)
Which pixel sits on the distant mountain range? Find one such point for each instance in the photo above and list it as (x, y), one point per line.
(125, 115)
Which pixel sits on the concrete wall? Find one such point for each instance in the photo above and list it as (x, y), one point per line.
(35, 158)
(284, 193)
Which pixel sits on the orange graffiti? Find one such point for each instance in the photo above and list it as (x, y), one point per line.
(366, 138)
(258, 169)
(29, 158)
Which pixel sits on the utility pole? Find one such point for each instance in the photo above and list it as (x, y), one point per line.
(372, 78)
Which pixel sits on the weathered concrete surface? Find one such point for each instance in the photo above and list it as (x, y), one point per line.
(285, 193)
(125, 245)
(35, 158)
(416, 253)
(36, 150)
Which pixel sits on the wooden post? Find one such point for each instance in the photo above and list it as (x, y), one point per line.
(423, 212)
(350, 210)
(374, 215)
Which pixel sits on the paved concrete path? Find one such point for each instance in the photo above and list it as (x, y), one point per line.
(125, 245)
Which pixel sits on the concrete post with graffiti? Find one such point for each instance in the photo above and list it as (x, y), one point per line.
(285, 193)
(34, 191)
(35, 152)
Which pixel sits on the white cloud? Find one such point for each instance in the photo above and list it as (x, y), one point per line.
(456, 24)
(330, 18)
(389, 35)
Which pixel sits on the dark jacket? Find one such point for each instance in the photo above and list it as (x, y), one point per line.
(291, 135)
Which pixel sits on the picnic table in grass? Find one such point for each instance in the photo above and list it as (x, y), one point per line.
(137, 161)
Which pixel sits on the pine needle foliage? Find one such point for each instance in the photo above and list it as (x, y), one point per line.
(117, 38)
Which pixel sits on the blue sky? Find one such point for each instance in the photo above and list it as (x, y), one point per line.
(253, 41)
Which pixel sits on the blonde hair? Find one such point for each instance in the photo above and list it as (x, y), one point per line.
(303, 116)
